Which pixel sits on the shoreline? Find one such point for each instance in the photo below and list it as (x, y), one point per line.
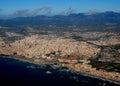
(78, 72)
(101, 78)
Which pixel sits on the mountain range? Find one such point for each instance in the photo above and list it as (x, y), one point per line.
(77, 19)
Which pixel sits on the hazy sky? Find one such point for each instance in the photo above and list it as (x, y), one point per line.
(50, 7)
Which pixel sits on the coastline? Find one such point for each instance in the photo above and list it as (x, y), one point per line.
(78, 72)
(101, 78)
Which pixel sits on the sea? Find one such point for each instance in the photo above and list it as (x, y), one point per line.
(17, 72)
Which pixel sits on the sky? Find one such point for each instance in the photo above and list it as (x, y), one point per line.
(53, 7)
